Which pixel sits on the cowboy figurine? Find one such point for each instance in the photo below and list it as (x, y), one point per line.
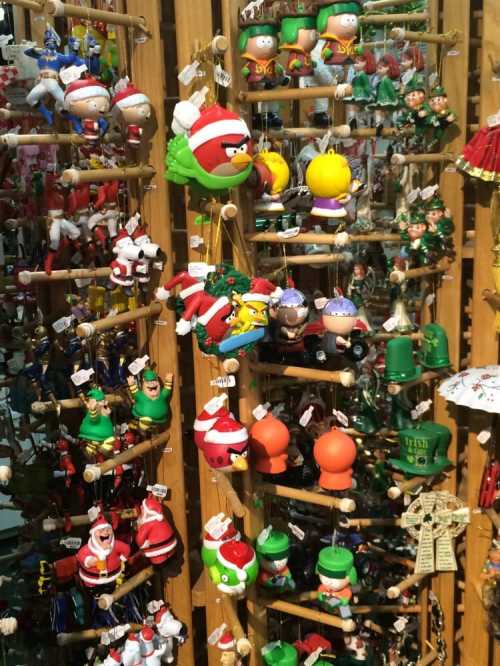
(151, 401)
(337, 24)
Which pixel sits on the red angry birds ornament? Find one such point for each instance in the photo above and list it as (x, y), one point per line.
(225, 446)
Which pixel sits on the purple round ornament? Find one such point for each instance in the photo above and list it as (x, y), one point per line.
(340, 307)
(292, 298)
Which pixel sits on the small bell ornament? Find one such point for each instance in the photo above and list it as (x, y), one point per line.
(400, 318)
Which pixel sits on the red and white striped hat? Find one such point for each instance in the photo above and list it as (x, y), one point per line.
(227, 430)
(83, 89)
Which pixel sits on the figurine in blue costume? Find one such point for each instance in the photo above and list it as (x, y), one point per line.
(50, 63)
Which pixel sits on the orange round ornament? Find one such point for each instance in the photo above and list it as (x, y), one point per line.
(269, 440)
(335, 453)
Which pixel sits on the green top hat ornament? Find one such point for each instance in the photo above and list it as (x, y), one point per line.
(423, 449)
(399, 365)
(336, 562)
(280, 654)
(274, 547)
(434, 353)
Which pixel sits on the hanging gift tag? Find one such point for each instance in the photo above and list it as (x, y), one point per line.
(158, 490)
(289, 233)
(484, 436)
(341, 417)
(222, 77)
(400, 624)
(189, 73)
(132, 224)
(306, 416)
(429, 299)
(195, 242)
(216, 635)
(313, 657)
(390, 324)
(73, 73)
(261, 411)
(296, 531)
(138, 365)
(71, 543)
(82, 376)
(62, 324)
(319, 303)
(229, 381)
(264, 535)
(200, 269)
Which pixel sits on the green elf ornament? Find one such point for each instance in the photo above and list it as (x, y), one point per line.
(273, 550)
(235, 569)
(338, 24)
(423, 245)
(96, 429)
(416, 111)
(152, 401)
(423, 450)
(441, 115)
(335, 568)
(434, 352)
(299, 37)
(438, 218)
(280, 653)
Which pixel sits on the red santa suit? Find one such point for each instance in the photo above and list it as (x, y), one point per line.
(134, 134)
(78, 207)
(211, 312)
(110, 560)
(90, 129)
(155, 536)
(150, 655)
(122, 268)
(107, 213)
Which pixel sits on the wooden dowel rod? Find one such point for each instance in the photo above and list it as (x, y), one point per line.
(228, 211)
(397, 277)
(380, 337)
(11, 114)
(382, 19)
(30, 277)
(429, 658)
(105, 601)
(398, 159)
(405, 486)
(397, 610)
(372, 5)
(461, 585)
(309, 614)
(32, 5)
(226, 488)
(94, 472)
(373, 626)
(52, 524)
(492, 299)
(345, 505)
(396, 389)
(449, 38)
(394, 591)
(323, 239)
(287, 94)
(77, 176)
(301, 260)
(13, 140)
(340, 131)
(494, 517)
(88, 329)
(391, 557)
(70, 403)
(372, 522)
(344, 377)
(88, 635)
(59, 8)
(243, 645)
(381, 433)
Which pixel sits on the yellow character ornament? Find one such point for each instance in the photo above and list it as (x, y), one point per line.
(329, 178)
(273, 178)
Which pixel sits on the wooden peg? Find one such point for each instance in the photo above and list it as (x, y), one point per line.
(229, 493)
(322, 239)
(384, 19)
(372, 522)
(339, 132)
(398, 277)
(59, 8)
(492, 299)
(287, 94)
(396, 389)
(428, 659)
(381, 337)
(399, 159)
(449, 38)
(53, 524)
(88, 635)
(394, 591)
(31, 277)
(89, 329)
(228, 211)
(375, 5)
(105, 601)
(243, 645)
(406, 486)
(94, 472)
(301, 260)
(32, 5)
(13, 140)
(391, 557)
(344, 377)
(77, 176)
(309, 614)
(345, 504)
(10, 114)
(69, 403)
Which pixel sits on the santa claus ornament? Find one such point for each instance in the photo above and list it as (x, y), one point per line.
(127, 254)
(133, 109)
(154, 536)
(212, 148)
(87, 101)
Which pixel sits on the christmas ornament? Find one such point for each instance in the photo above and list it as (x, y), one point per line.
(60, 230)
(97, 430)
(212, 149)
(440, 517)
(87, 101)
(169, 629)
(335, 568)
(399, 365)
(335, 453)
(476, 388)
(339, 316)
(252, 311)
(385, 95)
(481, 156)
(273, 551)
(133, 109)
(131, 653)
(434, 351)
(225, 446)
(154, 536)
(328, 177)
(151, 252)
(269, 439)
(362, 93)
(298, 36)
(423, 449)
(152, 656)
(338, 24)
(107, 213)
(206, 419)
(441, 115)
(274, 176)
(415, 111)
(127, 254)
(291, 314)
(152, 401)
(217, 531)
(235, 569)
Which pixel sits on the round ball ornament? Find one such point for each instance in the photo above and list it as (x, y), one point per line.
(269, 439)
(335, 453)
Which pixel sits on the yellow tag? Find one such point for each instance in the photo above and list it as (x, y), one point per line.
(119, 302)
(96, 298)
(132, 302)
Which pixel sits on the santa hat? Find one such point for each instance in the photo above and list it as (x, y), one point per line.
(127, 95)
(151, 506)
(227, 430)
(226, 641)
(262, 290)
(113, 656)
(147, 634)
(188, 284)
(236, 555)
(99, 524)
(212, 531)
(206, 419)
(133, 637)
(83, 89)
(159, 615)
(207, 124)
(140, 234)
(118, 240)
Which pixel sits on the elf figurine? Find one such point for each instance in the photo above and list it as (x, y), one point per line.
(273, 551)
(87, 101)
(338, 24)
(386, 94)
(101, 561)
(336, 572)
(96, 429)
(441, 115)
(416, 111)
(154, 536)
(133, 109)
(439, 220)
(299, 37)
(152, 401)
(362, 92)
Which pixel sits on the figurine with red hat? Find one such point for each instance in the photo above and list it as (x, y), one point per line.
(106, 213)
(214, 409)
(218, 530)
(252, 309)
(122, 268)
(60, 230)
(133, 108)
(212, 148)
(87, 101)
(66, 467)
(152, 253)
(151, 656)
(114, 658)
(169, 628)
(235, 569)
(227, 645)
(131, 653)
(101, 561)
(78, 208)
(225, 446)
(154, 536)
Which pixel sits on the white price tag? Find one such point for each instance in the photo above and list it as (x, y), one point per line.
(62, 324)
(216, 635)
(73, 73)
(71, 543)
(115, 634)
(341, 417)
(453, 52)
(390, 324)
(296, 531)
(229, 381)
(306, 416)
(132, 224)
(289, 233)
(325, 142)
(423, 407)
(215, 404)
(400, 624)
(313, 657)
(451, 169)
(429, 192)
(484, 436)
(189, 73)
(200, 269)
(82, 376)
(413, 195)
(429, 299)
(494, 120)
(261, 411)
(222, 77)
(138, 365)
(264, 535)
(319, 303)
(195, 241)
(158, 490)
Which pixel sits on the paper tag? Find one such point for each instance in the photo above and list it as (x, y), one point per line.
(296, 531)
(341, 417)
(289, 233)
(200, 269)
(261, 411)
(429, 299)
(390, 324)
(453, 52)
(62, 324)
(132, 224)
(71, 543)
(115, 634)
(195, 241)
(218, 529)
(324, 142)
(73, 73)
(82, 376)
(138, 365)
(306, 416)
(429, 192)
(400, 624)
(321, 356)
(447, 277)
(494, 120)
(319, 303)
(313, 657)
(158, 490)
(451, 168)
(484, 436)
(216, 634)
(188, 74)
(264, 535)
(228, 381)
(215, 404)
(423, 407)
(222, 77)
